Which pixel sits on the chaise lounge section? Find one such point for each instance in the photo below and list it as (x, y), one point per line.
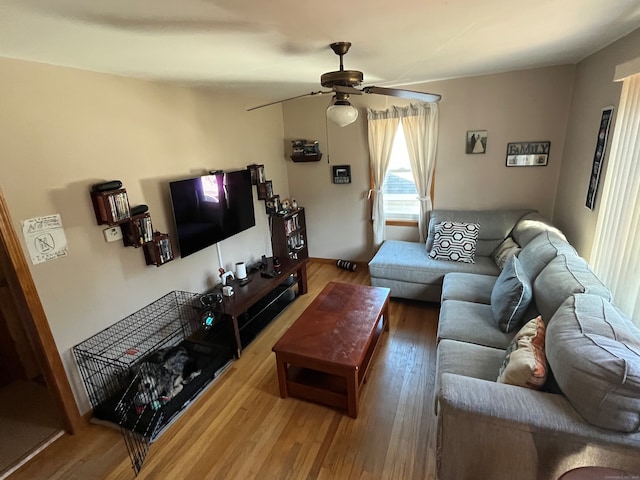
(408, 270)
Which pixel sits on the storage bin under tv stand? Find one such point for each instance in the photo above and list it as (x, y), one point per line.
(252, 302)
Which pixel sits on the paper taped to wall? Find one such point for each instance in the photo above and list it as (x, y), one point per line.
(45, 238)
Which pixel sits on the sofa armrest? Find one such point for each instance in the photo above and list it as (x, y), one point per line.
(522, 408)
(491, 430)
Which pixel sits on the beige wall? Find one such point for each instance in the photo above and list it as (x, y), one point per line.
(62, 130)
(530, 105)
(593, 89)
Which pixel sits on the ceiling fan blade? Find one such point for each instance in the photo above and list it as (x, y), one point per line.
(310, 94)
(349, 90)
(408, 94)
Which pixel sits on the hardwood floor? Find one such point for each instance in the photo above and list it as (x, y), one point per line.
(240, 428)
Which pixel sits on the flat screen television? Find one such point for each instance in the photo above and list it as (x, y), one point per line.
(210, 208)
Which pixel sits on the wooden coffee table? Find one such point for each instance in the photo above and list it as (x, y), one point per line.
(325, 354)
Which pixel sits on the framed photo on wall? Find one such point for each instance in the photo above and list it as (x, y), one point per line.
(476, 141)
(598, 156)
(528, 154)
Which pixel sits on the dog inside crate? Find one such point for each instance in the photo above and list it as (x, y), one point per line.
(162, 375)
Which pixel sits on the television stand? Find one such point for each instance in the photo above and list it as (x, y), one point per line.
(256, 303)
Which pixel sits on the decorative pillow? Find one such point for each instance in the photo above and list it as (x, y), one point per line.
(455, 241)
(505, 251)
(525, 364)
(511, 295)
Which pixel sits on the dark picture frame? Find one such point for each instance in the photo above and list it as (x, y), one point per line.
(598, 156)
(476, 142)
(341, 174)
(528, 154)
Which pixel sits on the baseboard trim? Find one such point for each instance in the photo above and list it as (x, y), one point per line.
(331, 261)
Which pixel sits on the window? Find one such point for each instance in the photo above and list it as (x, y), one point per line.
(400, 194)
(615, 256)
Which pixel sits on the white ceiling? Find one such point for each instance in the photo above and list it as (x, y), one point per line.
(279, 48)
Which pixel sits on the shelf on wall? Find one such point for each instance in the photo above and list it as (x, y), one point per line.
(306, 158)
(111, 207)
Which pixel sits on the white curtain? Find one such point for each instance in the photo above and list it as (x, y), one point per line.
(382, 130)
(616, 249)
(420, 125)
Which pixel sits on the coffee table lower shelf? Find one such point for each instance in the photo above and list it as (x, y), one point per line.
(317, 386)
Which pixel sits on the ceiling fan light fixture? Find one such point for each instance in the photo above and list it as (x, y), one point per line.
(342, 113)
(344, 82)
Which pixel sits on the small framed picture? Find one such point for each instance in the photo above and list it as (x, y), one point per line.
(341, 173)
(476, 141)
(528, 154)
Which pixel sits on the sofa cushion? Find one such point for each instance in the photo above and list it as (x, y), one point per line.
(511, 296)
(495, 225)
(594, 351)
(471, 322)
(410, 262)
(562, 277)
(505, 251)
(470, 287)
(532, 225)
(541, 250)
(455, 241)
(468, 359)
(525, 364)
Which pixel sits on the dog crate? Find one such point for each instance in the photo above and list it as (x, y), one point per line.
(119, 364)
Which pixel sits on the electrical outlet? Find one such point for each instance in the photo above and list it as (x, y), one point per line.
(112, 234)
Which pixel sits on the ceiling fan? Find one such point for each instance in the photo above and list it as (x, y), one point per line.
(342, 84)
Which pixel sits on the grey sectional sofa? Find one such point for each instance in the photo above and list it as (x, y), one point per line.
(588, 410)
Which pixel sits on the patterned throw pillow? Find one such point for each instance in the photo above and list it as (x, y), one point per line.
(455, 241)
(525, 364)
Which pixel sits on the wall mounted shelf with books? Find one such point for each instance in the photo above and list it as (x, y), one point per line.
(111, 206)
(137, 231)
(159, 250)
(303, 150)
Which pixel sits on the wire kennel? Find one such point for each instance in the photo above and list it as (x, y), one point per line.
(117, 363)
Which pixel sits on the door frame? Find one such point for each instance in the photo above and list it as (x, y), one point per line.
(34, 319)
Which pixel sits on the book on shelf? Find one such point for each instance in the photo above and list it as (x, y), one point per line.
(164, 248)
(119, 206)
(145, 229)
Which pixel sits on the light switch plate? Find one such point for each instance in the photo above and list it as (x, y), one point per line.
(112, 234)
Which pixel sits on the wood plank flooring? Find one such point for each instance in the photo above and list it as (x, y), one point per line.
(240, 428)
